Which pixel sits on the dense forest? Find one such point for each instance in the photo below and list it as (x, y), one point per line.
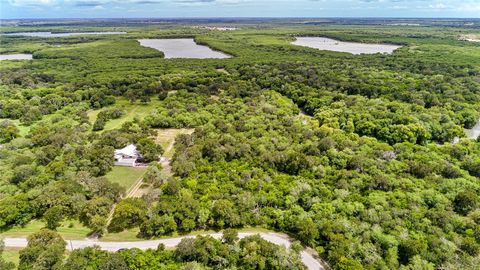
(363, 158)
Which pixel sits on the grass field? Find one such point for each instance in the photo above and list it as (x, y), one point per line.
(11, 255)
(23, 129)
(125, 176)
(131, 111)
(70, 229)
(166, 138)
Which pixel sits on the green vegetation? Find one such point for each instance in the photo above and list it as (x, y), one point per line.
(369, 177)
(10, 256)
(69, 229)
(132, 111)
(46, 250)
(125, 176)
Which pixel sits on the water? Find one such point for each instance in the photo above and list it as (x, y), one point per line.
(474, 132)
(182, 48)
(19, 56)
(329, 44)
(50, 34)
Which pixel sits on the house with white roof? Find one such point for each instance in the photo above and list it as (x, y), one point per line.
(126, 156)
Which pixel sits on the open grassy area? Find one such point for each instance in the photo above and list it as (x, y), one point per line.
(70, 229)
(11, 255)
(166, 138)
(23, 129)
(125, 176)
(127, 235)
(138, 110)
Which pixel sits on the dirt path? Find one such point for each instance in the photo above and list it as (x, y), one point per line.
(280, 239)
(130, 193)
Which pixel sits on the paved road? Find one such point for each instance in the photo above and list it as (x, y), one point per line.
(310, 262)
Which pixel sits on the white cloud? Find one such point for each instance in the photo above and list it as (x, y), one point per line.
(32, 2)
(469, 7)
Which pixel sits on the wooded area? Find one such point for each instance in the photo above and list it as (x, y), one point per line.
(351, 155)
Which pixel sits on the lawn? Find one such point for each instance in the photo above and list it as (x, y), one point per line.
(125, 176)
(70, 229)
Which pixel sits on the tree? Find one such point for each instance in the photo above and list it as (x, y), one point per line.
(149, 150)
(230, 236)
(99, 124)
(53, 217)
(465, 202)
(86, 258)
(44, 251)
(128, 214)
(8, 131)
(15, 210)
(307, 230)
(154, 175)
(410, 248)
(101, 158)
(4, 265)
(114, 261)
(224, 214)
(94, 213)
(158, 226)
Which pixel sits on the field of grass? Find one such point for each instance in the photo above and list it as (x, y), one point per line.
(11, 255)
(70, 229)
(137, 110)
(23, 129)
(127, 235)
(166, 138)
(125, 176)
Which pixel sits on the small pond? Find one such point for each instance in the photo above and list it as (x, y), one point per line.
(50, 34)
(18, 56)
(329, 44)
(474, 132)
(182, 48)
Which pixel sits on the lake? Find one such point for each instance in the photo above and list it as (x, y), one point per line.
(50, 34)
(182, 48)
(329, 44)
(18, 56)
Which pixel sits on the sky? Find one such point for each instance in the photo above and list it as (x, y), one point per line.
(16, 9)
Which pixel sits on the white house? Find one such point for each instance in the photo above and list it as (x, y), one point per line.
(126, 156)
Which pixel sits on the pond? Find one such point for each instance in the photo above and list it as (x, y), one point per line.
(18, 56)
(182, 48)
(474, 132)
(329, 44)
(50, 34)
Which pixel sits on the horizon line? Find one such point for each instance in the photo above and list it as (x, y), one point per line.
(242, 17)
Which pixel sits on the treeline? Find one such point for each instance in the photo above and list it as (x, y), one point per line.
(46, 250)
(368, 177)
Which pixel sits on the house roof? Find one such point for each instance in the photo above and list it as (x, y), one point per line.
(129, 150)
